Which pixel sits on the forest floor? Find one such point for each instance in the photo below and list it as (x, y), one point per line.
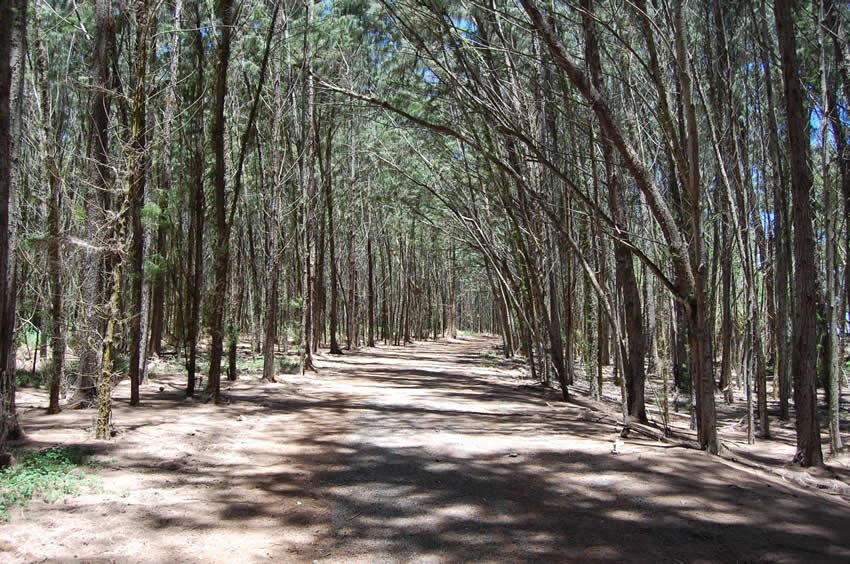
(430, 453)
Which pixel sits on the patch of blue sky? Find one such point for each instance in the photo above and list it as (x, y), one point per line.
(767, 218)
(464, 24)
(429, 76)
(381, 38)
(660, 177)
(757, 176)
(816, 121)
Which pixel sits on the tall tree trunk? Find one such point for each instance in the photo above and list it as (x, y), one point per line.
(569, 286)
(156, 317)
(17, 65)
(195, 241)
(136, 173)
(625, 274)
(726, 317)
(54, 203)
(308, 189)
(225, 214)
(103, 422)
(370, 341)
(275, 230)
(255, 299)
(233, 305)
(722, 101)
(270, 327)
(386, 280)
(97, 202)
(319, 298)
(781, 231)
(156, 323)
(351, 331)
(830, 87)
(157, 300)
(452, 300)
(804, 351)
(699, 334)
(555, 340)
(9, 12)
(334, 274)
(224, 12)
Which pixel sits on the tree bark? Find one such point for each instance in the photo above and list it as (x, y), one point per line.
(97, 202)
(370, 342)
(103, 422)
(308, 190)
(274, 230)
(157, 300)
(625, 273)
(832, 282)
(781, 231)
(351, 330)
(195, 240)
(54, 203)
(804, 330)
(8, 16)
(452, 293)
(224, 12)
(136, 172)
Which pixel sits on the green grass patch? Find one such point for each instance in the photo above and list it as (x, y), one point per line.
(250, 364)
(47, 474)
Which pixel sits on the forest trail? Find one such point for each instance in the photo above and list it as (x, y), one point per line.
(434, 452)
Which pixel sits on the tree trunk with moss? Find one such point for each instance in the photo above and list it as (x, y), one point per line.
(224, 12)
(7, 349)
(136, 197)
(98, 200)
(54, 203)
(103, 424)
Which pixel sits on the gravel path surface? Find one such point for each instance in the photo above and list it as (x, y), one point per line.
(426, 453)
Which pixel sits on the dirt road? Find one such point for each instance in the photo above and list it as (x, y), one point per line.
(426, 453)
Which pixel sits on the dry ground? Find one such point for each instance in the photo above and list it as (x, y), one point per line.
(424, 453)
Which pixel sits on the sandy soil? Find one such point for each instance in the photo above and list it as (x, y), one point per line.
(426, 453)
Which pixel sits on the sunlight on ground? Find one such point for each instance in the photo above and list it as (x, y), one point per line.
(397, 454)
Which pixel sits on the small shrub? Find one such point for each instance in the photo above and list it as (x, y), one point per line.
(121, 363)
(490, 360)
(48, 474)
(250, 364)
(289, 365)
(27, 379)
(28, 337)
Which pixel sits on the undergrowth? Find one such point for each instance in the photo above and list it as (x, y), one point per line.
(289, 365)
(48, 474)
(490, 360)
